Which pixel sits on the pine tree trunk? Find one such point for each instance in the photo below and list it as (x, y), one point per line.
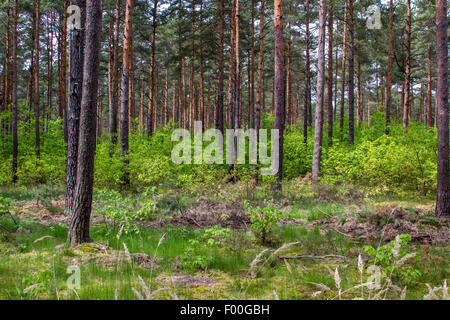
(220, 104)
(252, 72)
(429, 103)
(307, 108)
(15, 106)
(50, 69)
(344, 67)
(5, 101)
(288, 79)
(232, 67)
(359, 115)
(406, 106)
(81, 211)
(330, 75)
(202, 84)
(443, 188)
(151, 97)
(74, 106)
(36, 78)
(351, 77)
(115, 80)
(280, 87)
(318, 135)
(259, 89)
(390, 59)
(125, 92)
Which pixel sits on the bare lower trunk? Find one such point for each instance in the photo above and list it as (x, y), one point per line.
(81, 211)
(280, 87)
(317, 154)
(330, 75)
(74, 107)
(36, 79)
(14, 93)
(390, 59)
(407, 98)
(351, 77)
(443, 188)
(125, 93)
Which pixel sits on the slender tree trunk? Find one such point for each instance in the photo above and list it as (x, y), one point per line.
(141, 103)
(219, 112)
(232, 67)
(14, 93)
(151, 97)
(288, 79)
(252, 72)
(202, 85)
(407, 99)
(443, 188)
(351, 78)
(166, 98)
(36, 78)
(359, 115)
(421, 104)
(125, 93)
(81, 211)
(336, 61)
(307, 108)
(74, 106)
(390, 59)
(50, 69)
(5, 101)
(115, 80)
(99, 114)
(330, 75)
(131, 98)
(429, 100)
(317, 154)
(280, 87)
(259, 89)
(344, 67)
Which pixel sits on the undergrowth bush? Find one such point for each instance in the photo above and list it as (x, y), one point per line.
(398, 163)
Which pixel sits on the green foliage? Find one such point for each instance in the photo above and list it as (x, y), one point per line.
(263, 220)
(123, 212)
(193, 257)
(395, 163)
(216, 235)
(5, 206)
(394, 259)
(191, 261)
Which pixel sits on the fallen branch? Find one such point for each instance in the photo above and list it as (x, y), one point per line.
(310, 257)
(328, 215)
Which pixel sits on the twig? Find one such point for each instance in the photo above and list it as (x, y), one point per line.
(311, 257)
(340, 232)
(329, 215)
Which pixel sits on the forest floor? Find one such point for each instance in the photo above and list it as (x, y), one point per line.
(198, 244)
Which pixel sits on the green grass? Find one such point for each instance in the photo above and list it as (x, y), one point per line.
(24, 263)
